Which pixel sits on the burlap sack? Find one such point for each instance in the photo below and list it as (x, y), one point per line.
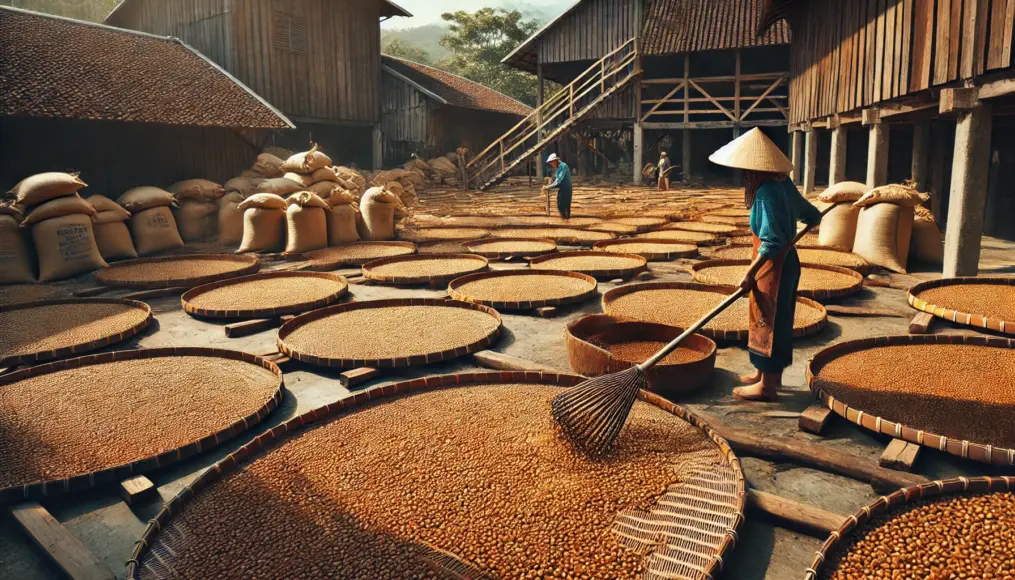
(351, 175)
(196, 219)
(306, 162)
(263, 201)
(142, 198)
(110, 216)
(928, 243)
(103, 204)
(230, 219)
(342, 224)
(308, 228)
(244, 185)
(154, 230)
(280, 152)
(305, 181)
(324, 189)
(40, 188)
(113, 240)
(883, 235)
(263, 230)
(197, 189)
(15, 257)
(59, 207)
(66, 247)
(378, 214)
(325, 174)
(843, 191)
(279, 186)
(268, 165)
(307, 199)
(897, 194)
(838, 227)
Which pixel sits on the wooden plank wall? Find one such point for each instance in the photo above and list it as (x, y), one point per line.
(405, 114)
(203, 24)
(454, 127)
(591, 31)
(850, 54)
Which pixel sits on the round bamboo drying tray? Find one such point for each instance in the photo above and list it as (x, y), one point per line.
(472, 221)
(500, 248)
(21, 293)
(389, 333)
(955, 299)
(718, 229)
(732, 212)
(445, 247)
(740, 222)
(910, 390)
(595, 347)
(876, 515)
(698, 238)
(176, 271)
(615, 228)
(197, 533)
(523, 289)
(651, 250)
(642, 223)
(681, 304)
(210, 395)
(356, 254)
(34, 332)
(538, 220)
(598, 263)
(825, 255)
(442, 234)
(265, 295)
(817, 281)
(746, 240)
(560, 235)
(424, 269)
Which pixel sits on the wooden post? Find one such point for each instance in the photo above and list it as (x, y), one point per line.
(687, 88)
(685, 154)
(810, 159)
(738, 174)
(877, 149)
(921, 151)
(378, 148)
(639, 144)
(837, 164)
(736, 94)
(798, 157)
(938, 187)
(540, 95)
(968, 195)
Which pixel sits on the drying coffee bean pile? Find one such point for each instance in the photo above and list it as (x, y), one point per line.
(996, 301)
(427, 267)
(357, 253)
(391, 332)
(576, 222)
(680, 236)
(513, 247)
(30, 330)
(703, 227)
(644, 222)
(589, 264)
(807, 256)
(446, 247)
(640, 351)
(939, 388)
(184, 268)
(87, 419)
(21, 293)
(477, 471)
(811, 279)
(942, 539)
(614, 228)
(650, 249)
(528, 287)
(731, 212)
(559, 235)
(442, 234)
(732, 221)
(264, 292)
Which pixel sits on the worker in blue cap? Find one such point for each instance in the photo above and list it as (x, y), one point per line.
(562, 183)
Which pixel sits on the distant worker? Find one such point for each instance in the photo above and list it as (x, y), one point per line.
(562, 183)
(664, 168)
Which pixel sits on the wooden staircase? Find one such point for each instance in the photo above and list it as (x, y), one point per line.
(558, 115)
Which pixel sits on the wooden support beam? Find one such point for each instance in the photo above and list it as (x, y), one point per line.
(870, 117)
(157, 293)
(998, 88)
(639, 145)
(968, 194)
(62, 547)
(248, 327)
(794, 515)
(877, 155)
(501, 362)
(921, 323)
(358, 376)
(919, 164)
(797, 154)
(900, 455)
(685, 154)
(815, 418)
(958, 100)
(138, 490)
(837, 163)
(810, 160)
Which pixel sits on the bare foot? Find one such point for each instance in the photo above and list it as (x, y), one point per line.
(750, 379)
(757, 392)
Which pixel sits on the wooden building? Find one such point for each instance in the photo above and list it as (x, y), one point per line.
(123, 108)
(429, 112)
(927, 86)
(652, 70)
(318, 61)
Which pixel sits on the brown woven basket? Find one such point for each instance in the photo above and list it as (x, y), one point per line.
(296, 305)
(702, 275)
(710, 548)
(330, 258)
(682, 237)
(442, 233)
(419, 359)
(981, 452)
(725, 230)
(76, 346)
(885, 505)
(481, 248)
(240, 265)
(731, 335)
(535, 302)
(638, 264)
(850, 260)
(643, 224)
(21, 293)
(370, 269)
(559, 234)
(169, 457)
(663, 250)
(586, 338)
(958, 317)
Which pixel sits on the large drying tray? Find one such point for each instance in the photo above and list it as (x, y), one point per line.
(828, 256)
(561, 235)
(248, 511)
(265, 295)
(599, 263)
(819, 282)
(651, 250)
(500, 248)
(176, 271)
(987, 303)
(356, 254)
(431, 269)
(101, 418)
(523, 289)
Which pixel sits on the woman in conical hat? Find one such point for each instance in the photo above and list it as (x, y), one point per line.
(774, 274)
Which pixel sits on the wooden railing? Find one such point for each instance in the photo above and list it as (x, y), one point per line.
(559, 113)
(757, 99)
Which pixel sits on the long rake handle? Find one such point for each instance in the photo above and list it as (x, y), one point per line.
(669, 348)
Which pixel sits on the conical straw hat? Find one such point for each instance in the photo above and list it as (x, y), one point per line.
(753, 151)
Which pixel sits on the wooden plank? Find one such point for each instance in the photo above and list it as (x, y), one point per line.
(888, 82)
(905, 63)
(995, 45)
(501, 362)
(815, 418)
(1009, 27)
(879, 53)
(138, 490)
(794, 515)
(980, 48)
(62, 547)
(955, 26)
(923, 44)
(358, 376)
(863, 311)
(942, 41)
(248, 327)
(967, 50)
(899, 454)
(871, 27)
(921, 323)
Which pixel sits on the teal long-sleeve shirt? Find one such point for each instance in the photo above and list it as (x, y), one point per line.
(562, 178)
(777, 208)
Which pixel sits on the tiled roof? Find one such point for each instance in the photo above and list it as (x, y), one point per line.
(388, 9)
(775, 10)
(676, 26)
(58, 67)
(453, 89)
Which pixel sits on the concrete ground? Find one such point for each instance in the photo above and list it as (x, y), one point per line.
(109, 528)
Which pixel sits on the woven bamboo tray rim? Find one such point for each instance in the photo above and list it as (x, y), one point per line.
(369, 273)
(83, 346)
(457, 283)
(188, 297)
(335, 263)
(738, 335)
(293, 427)
(476, 247)
(612, 245)
(417, 235)
(820, 294)
(712, 240)
(419, 359)
(889, 503)
(561, 240)
(863, 269)
(246, 264)
(166, 458)
(981, 452)
(685, 226)
(959, 317)
(595, 272)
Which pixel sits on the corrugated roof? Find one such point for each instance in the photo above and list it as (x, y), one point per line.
(453, 89)
(58, 67)
(678, 26)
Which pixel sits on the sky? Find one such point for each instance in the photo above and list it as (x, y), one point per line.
(429, 11)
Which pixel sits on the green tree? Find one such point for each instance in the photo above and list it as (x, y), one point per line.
(478, 41)
(406, 50)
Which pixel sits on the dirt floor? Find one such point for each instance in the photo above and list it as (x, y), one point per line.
(109, 528)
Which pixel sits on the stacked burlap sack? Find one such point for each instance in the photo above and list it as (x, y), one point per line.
(111, 232)
(264, 223)
(197, 211)
(152, 224)
(378, 209)
(16, 262)
(406, 183)
(343, 218)
(307, 223)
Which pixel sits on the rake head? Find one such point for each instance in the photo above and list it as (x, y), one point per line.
(592, 414)
(450, 566)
